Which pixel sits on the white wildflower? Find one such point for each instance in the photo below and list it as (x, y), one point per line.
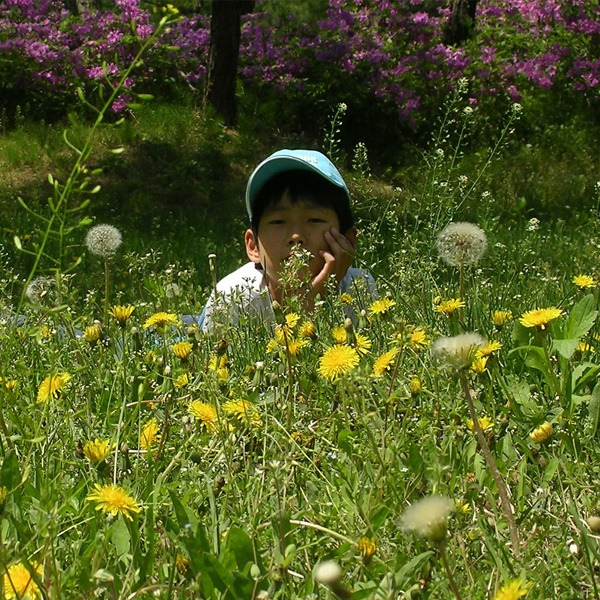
(461, 244)
(103, 240)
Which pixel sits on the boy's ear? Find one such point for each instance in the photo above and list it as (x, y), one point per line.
(251, 242)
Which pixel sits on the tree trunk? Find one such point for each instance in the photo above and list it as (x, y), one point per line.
(225, 30)
(461, 23)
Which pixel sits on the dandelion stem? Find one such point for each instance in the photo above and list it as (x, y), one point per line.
(451, 580)
(496, 475)
(106, 290)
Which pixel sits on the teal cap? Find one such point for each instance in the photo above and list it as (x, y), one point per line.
(289, 160)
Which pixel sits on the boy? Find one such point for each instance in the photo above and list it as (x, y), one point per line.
(296, 201)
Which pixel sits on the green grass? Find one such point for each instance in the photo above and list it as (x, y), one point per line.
(255, 504)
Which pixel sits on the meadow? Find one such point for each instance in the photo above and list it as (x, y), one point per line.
(442, 443)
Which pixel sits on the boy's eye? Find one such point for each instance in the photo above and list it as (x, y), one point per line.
(316, 220)
(276, 222)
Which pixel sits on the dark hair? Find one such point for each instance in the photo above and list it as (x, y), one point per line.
(303, 186)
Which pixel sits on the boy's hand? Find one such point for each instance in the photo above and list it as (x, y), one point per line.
(337, 260)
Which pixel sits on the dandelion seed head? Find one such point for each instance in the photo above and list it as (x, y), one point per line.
(461, 244)
(103, 240)
(457, 352)
(428, 517)
(39, 289)
(328, 572)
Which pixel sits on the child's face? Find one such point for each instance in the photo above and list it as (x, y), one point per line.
(285, 227)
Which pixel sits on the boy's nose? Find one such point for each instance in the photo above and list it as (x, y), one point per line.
(296, 239)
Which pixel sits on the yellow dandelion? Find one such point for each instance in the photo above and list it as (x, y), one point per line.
(205, 413)
(362, 344)
(114, 500)
(149, 436)
(501, 317)
(338, 360)
(380, 307)
(19, 583)
(339, 335)
(10, 384)
(488, 348)
(463, 508)
(414, 386)
(513, 590)
(384, 362)
(346, 299)
(417, 339)
(182, 350)
(484, 422)
(449, 306)
(97, 450)
(540, 317)
(291, 320)
(160, 320)
(294, 346)
(122, 313)
(52, 387)
(584, 282)
(366, 548)
(47, 332)
(92, 333)
(307, 329)
(479, 365)
(181, 380)
(218, 364)
(272, 346)
(243, 411)
(182, 564)
(542, 433)
(585, 347)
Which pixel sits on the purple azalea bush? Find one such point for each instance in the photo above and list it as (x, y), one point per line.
(384, 55)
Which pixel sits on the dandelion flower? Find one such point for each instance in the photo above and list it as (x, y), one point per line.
(307, 329)
(338, 360)
(181, 380)
(457, 352)
(414, 386)
(501, 317)
(218, 364)
(52, 387)
(488, 349)
(484, 422)
(103, 240)
(294, 346)
(362, 344)
(149, 436)
(428, 517)
(160, 320)
(114, 500)
(540, 317)
(513, 590)
(97, 450)
(449, 306)
(479, 365)
(585, 347)
(243, 411)
(205, 413)
(182, 563)
(584, 282)
(19, 584)
(366, 547)
(122, 313)
(461, 244)
(339, 335)
(384, 362)
(182, 350)
(417, 339)
(346, 299)
(380, 307)
(92, 333)
(291, 320)
(10, 384)
(542, 433)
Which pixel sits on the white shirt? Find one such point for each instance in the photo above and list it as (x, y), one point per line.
(246, 291)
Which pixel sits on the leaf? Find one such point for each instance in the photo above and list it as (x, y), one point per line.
(10, 476)
(411, 569)
(591, 424)
(551, 469)
(581, 318)
(120, 538)
(566, 347)
(17, 241)
(240, 544)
